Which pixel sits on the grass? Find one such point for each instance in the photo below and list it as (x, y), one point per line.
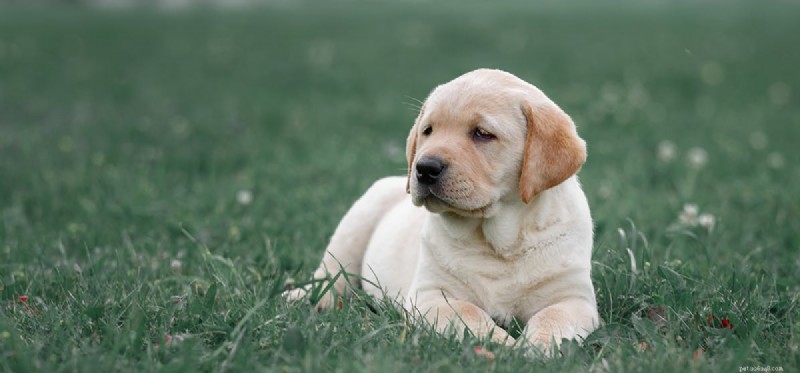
(126, 136)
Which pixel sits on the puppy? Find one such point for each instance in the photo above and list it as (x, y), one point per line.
(489, 224)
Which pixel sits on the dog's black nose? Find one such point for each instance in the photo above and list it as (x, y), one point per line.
(429, 169)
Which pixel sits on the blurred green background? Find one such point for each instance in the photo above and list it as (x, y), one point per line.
(135, 138)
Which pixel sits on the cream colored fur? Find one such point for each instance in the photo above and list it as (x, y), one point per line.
(505, 233)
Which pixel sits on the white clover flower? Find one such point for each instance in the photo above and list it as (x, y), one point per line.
(706, 221)
(779, 93)
(244, 197)
(667, 151)
(689, 215)
(392, 150)
(604, 191)
(712, 73)
(698, 157)
(758, 140)
(775, 160)
(176, 265)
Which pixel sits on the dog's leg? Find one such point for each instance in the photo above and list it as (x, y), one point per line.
(349, 242)
(455, 316)
(569, 319)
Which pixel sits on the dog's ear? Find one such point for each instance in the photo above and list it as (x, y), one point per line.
(411, 146)
(553, 150)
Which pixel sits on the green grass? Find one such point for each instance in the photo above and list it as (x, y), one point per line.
(126, 136)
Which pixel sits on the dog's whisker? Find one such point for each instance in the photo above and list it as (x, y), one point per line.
(412, 106)
(420, 102)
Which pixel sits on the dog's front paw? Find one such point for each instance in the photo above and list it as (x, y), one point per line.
(543, 342)
(326, 301)
(503, 339)
(295, 295)
(572, 320)
(541, 347)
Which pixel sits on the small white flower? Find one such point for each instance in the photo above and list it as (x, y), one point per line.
(689, 215)
(758, 140)
(690, 209)
(176, 265)
(775, 160)
(666, 151)
(706, 221)
(604, 190)
(393, 150)
(244, 197)
(712, 73)
(779, 93)
(697, 157)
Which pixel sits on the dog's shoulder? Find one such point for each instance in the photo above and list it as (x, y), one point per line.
(385, 192)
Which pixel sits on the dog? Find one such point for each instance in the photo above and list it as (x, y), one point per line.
(489, 224)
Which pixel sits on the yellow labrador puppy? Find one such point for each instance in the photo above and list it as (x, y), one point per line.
(505, 230)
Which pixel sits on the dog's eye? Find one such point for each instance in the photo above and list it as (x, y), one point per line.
(427, 131)
(480, 134)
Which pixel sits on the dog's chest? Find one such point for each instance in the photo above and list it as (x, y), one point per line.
(504, 287)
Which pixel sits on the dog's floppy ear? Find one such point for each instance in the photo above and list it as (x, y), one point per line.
(553, 150)
(411, 146)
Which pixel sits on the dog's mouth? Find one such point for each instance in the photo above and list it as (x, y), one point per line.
(436, 202)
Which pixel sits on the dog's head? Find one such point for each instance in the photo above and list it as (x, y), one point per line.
(485, 137)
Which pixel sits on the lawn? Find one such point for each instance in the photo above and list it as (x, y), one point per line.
(162, 175)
